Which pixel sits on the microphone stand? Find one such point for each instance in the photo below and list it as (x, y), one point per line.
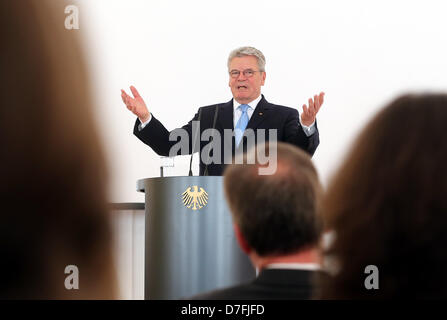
(216, 112)
(194, 144)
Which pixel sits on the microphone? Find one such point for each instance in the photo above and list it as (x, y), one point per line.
(216, 112)
(194, 143)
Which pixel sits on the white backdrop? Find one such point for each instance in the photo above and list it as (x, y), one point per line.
(362, 54)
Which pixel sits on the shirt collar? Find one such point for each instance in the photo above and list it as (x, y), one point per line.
(253, 104)
(299, 266)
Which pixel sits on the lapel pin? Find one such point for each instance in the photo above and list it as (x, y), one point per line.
(260, 113)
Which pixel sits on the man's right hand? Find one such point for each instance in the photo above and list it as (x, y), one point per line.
(136, 104)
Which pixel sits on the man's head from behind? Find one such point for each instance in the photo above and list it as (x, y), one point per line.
(276, 214)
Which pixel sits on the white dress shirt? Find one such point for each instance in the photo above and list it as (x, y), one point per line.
(292, 266)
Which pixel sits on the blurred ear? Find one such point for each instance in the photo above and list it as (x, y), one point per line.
(241, 240)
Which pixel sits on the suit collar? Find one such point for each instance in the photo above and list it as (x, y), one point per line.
(285, 276)
(261, 112)
(253, 104)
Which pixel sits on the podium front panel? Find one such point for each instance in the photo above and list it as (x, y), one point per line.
(190, 245)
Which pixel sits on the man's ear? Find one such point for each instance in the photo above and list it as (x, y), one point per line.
(241, 240)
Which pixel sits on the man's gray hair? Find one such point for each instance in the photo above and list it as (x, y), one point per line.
(248, 51)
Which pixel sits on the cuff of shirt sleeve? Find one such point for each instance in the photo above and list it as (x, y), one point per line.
(308, 130)
(143, 124)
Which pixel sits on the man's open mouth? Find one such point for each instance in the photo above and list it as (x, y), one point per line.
(242, 87)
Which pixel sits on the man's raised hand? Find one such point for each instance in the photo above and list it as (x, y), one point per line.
(136, 104)
(310, 113)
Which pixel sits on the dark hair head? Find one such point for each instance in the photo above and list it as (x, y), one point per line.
(387, 204)
(278, 213)
(53, 174)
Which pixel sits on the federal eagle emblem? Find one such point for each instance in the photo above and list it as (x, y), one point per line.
(194, 199)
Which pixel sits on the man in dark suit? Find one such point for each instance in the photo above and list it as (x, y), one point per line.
(248, 110)
(277, 224)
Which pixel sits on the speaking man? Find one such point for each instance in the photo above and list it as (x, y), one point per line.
(248, 112)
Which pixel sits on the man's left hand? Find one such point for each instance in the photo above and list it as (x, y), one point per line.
(310, 113)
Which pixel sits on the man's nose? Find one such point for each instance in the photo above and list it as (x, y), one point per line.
(241, 77)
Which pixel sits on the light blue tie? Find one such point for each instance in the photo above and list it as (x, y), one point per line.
(241, 124)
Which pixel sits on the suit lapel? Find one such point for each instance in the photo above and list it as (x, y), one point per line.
(259, 114)
(225, 118)
(225, 121)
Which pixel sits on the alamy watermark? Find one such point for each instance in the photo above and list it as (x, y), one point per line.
(72, 280)
(72, 19)
(372, 280)
(258, 152)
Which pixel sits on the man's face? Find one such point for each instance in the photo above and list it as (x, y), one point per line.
(244, 87)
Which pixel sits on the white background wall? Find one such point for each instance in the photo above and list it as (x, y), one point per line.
(362, 54)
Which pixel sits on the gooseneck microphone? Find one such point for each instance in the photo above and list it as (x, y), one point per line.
(194, 142)
(216, 112)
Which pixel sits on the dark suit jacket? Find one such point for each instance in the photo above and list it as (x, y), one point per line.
(271, 284)
(265, 116)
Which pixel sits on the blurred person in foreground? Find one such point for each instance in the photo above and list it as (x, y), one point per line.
(387, 207)
(53, 173)
(276, 222)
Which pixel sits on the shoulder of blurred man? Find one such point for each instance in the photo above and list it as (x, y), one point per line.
(271, 284)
